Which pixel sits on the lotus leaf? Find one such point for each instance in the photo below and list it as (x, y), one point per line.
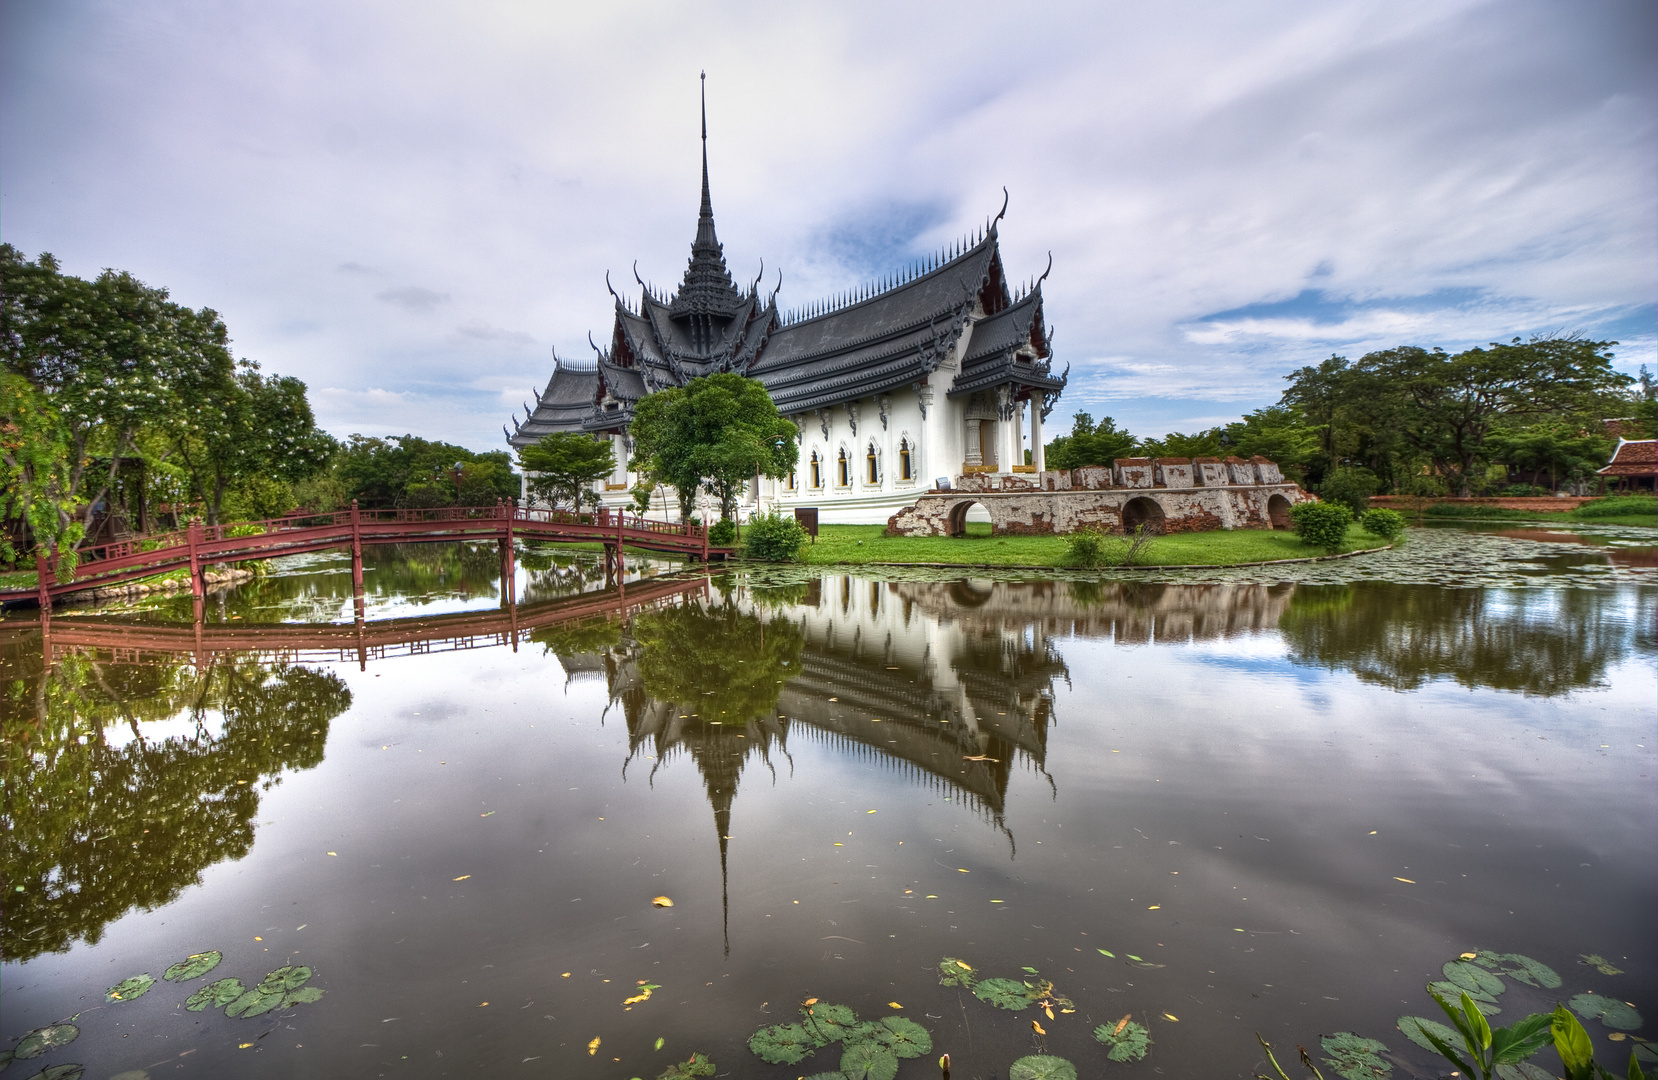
(1003, 993)
(953, 972)
(907, 1038)
(255, 1002)
(127, 989)
(5, 1059)
(1130, 1043)
(193, 966)
(1474, 979)
(1042, 1067)
(1524, 968)
(827, 1023)
(40, 1040)
(836, 1075)
(868, 1060)
(1599, 963)
(217, 994)
(1414, 1026)
(1644, 1053)
(1523, 1070)
(696, 1065)
(286, 978)
(1609, 1011)
(303, 996)
(1452, 992)
(1353, 1057)
(60, 1072)
(782, 1044)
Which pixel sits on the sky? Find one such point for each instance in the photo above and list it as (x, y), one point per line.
(412, 205)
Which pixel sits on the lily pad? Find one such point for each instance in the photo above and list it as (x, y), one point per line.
(1042, 1067)
(905, 1037)
(305, 995)
(827, 1023)
(1609, 1011)
(1354, 1057)
(290, 977)
(193, 966)
(1003, 993)
(782, 1044)
(868, 1060)
(255, 1002)
(40, 1040)
(953, 972)
(217, 994)
(1599, 963)
(127, 989)
(5, 1059)
(1644, 1053)
(1473, 978)
(60, 1072)
(696, 1065)
(1414, 1026)
(1452, 992)
(1127, 1041)
(1523, 1070)
(1523, 968)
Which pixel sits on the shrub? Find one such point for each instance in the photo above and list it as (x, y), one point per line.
(1618, 506)
(1387, 524)
(774, 537)
(1522, 491)
(723, 533)
(1085, 549)
(1322, 524)
(1090, 548)
(1350, 486)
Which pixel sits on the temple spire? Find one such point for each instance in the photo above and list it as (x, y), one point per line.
(707, 298)
(705, 220)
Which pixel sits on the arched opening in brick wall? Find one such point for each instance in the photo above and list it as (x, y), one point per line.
(967, 513)
(1143, 511)
(1278, 512)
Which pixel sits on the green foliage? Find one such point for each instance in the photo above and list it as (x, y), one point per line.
(716, 432)
(1417, 1028)
(723, 533)
(562, 467)
(1002, 993)
(1353, 1057)
(215, 994)
(1551, 450)
(1599, 963)
(1619, 506)
(1350, 486)
(36, 474)
(1089, 444)
(41, 1040)
(1086, 548)
(828, 1023)
(381, 472)
(782, 1044)
(1609, 1011)
(694, 1066)
(1321, 524)
(1387, 524)
(774, 537)
(953, 972)
(868, 1060)
(1128, 1043)
(1483, 1049)
(1091, 548)
(193, 966)
(1042, 1067)
(1521, 968)
(905, 1037)
(1210, 443)
(1474, 979)
(127, 989)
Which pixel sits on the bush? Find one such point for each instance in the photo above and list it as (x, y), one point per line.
(1322, 524)
(1522, 491)
(1090, 548)
(774, 537)
(1618, 506)
(723, 533)
(1351, 487)
(1387, 524)
(1085, 549)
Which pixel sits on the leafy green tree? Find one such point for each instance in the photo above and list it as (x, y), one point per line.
(716, 432)
(1210, 443)
(561, 467)
(1278, 433)
(35, 470)
(1553, 449)
(405, 470)
(1089, 444)
(1351, 486)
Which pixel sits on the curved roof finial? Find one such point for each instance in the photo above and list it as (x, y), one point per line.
(590, 342)
(1002, 212)
(1045, 273)
(637, 278)
(607, 286)
(779, 288)
(754, 288)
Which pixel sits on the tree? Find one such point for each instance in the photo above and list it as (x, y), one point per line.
(1210, 443)
(716, 432)
(34, 470)
(405, 470)
(1089, 444)
(561, 466)
(1551, 451)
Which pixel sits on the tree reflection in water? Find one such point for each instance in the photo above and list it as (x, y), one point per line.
(97, 825)
(1537, 642)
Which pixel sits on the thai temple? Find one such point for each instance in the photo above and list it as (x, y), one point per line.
(936, 371)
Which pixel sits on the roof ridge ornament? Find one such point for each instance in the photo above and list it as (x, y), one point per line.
(1003, 211)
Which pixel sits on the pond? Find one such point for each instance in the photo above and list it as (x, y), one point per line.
(591, 832)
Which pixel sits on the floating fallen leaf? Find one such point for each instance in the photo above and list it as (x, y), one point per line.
(894, 1005)
(491, 812)
(334, 853)
(463, 877)
(808, 1002)
(998, 901)
(1154, 907)
(1617, 1036)
(243, 1046)
(1131, 956)
(1049, 1009)
(566, 975)
(593, 1047)
(1105, 952)
(963, 870)
(659, 1042)
(1176, 1019)
(1038, 1028)
(1467, 956)
(661, 901)
(1407, 881)
(872, 811)
(1118, 1030)
(481, 1004)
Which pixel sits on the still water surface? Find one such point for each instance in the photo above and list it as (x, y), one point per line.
(1291, 801)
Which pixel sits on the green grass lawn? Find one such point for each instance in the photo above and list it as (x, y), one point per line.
(1611, 510)
(864, 544)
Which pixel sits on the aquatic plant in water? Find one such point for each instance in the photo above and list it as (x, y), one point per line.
(42, 1039)
(871, 1048)
(1126, 1040)
(1609, 1011)
(219, 993)
(1354, 1057)
(1042, 1067)
(128, 989)
(1599, 963)
(193, 966)
(696, 1065)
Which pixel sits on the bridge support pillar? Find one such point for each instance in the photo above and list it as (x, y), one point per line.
(43, 583)
(356, 553)
(193, 537)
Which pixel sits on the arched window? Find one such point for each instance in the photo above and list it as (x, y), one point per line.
(905, 467)
(872, 466)
(817, 471)
(790, 481)
(844, 469)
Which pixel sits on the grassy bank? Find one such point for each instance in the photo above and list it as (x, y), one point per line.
(1612, 510)
(864, 545)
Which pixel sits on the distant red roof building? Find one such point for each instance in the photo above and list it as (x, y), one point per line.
(1634, 462)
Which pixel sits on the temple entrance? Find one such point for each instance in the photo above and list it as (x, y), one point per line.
(1143, 511)
(970, 519)
(1278, 512)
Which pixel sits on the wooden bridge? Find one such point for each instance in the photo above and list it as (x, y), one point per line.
(127, 639)
(200, 546)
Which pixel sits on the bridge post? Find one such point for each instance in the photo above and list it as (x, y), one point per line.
(704, 543)
(356, 551)
(509, 555)
(42, 586)
(193, 538)
(621, 565)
